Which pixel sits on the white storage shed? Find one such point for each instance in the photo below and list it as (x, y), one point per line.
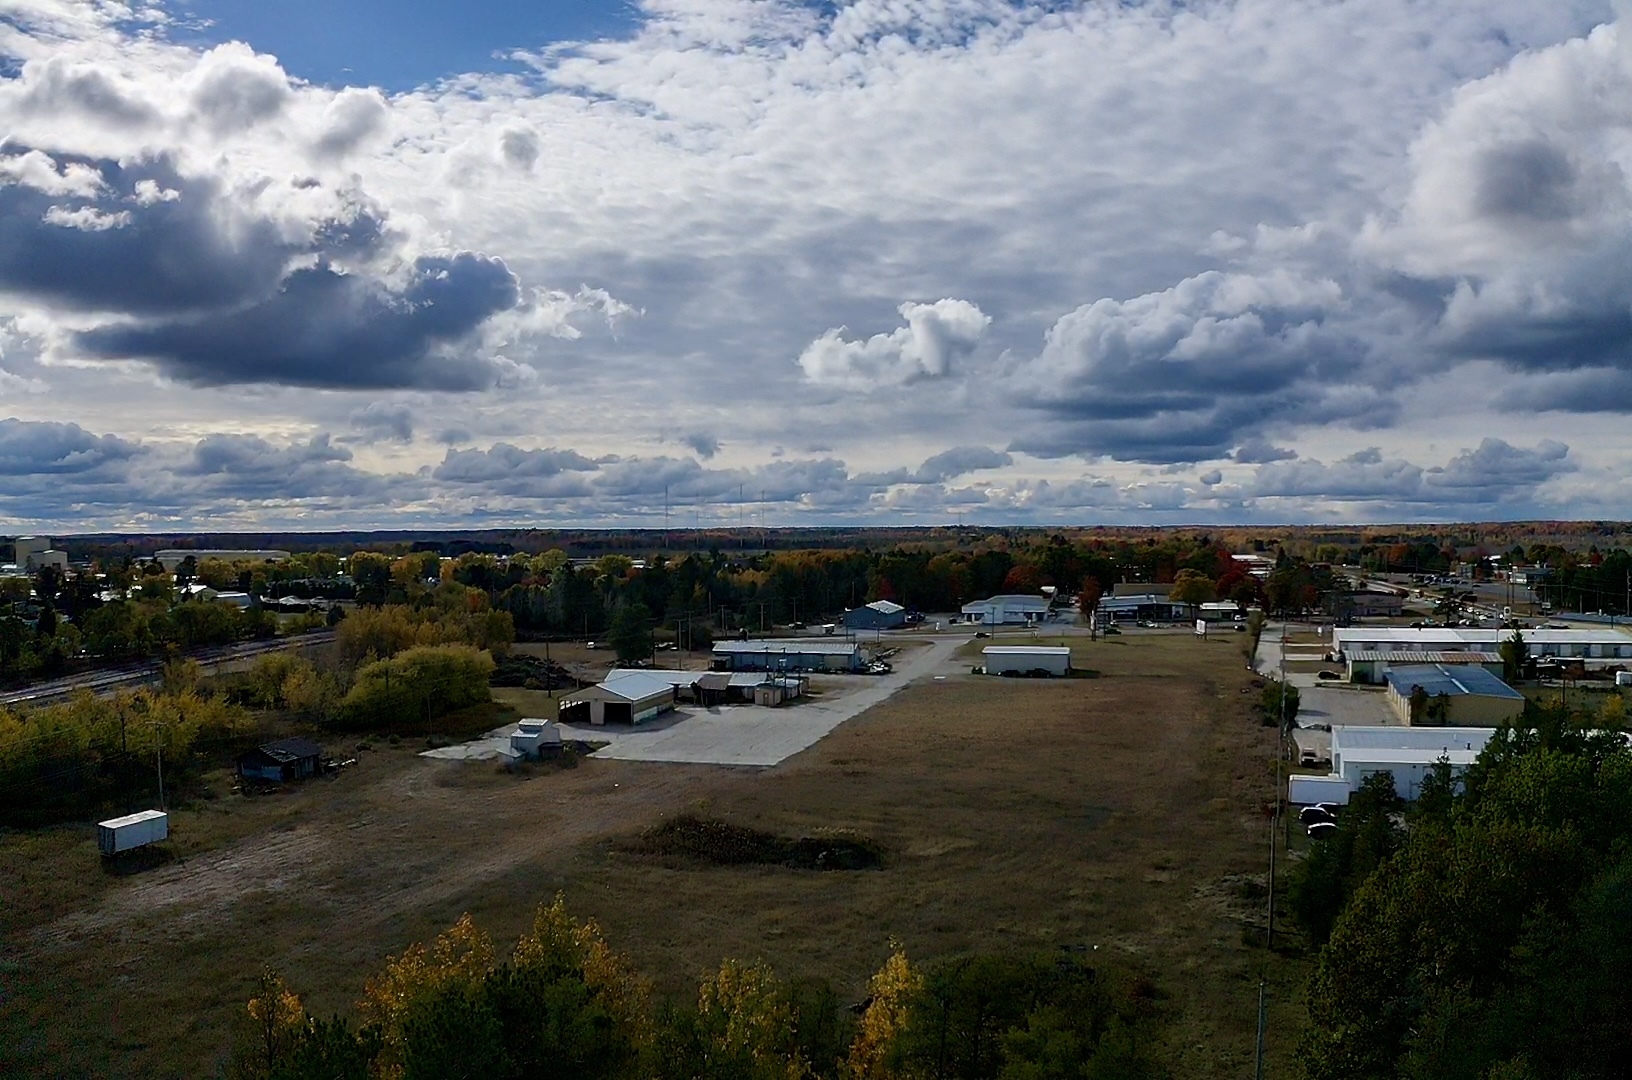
(1026, 659)
(534, 739)
(132, 831)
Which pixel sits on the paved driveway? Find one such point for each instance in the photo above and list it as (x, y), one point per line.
(1364, 707)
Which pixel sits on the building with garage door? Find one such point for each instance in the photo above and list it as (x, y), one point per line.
(630, 698)
(1473, 696)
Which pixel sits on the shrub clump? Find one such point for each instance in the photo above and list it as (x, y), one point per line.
(722, 844)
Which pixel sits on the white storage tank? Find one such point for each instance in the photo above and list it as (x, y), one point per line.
(132, 831)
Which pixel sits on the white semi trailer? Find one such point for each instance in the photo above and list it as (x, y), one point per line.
(132, 831)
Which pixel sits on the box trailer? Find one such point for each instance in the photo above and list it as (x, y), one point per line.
(132, 831)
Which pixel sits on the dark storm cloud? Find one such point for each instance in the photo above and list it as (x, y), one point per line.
(325, 328)
(1262, 452)
(148, 241)
(45, 448)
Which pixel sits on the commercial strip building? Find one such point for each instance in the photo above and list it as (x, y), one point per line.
(1369, 668)
(1475, 697)
(1026, 659)
(878, 615)
(1599, 642)
(1409, 754)
(1007, 609)
(803, 654)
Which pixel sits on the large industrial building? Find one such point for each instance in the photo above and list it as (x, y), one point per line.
(1026, 659)
(1475, 697)
(1408, 753)
(1599, 642)
(1003, 610)
(802, 654)
(878, 615)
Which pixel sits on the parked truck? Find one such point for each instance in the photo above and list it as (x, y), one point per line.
(132, 831)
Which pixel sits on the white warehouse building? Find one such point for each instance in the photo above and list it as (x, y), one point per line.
(1001, 610)
(1409, 754)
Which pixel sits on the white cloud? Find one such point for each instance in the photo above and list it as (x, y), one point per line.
(936, 335)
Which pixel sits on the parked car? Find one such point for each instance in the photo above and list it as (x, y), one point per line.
(1328, 675)
(1311, 814)
(1309, 757)
(982, 633)
(1330, 807)
(1321, 830)
(1112, 630)
(1240, 628)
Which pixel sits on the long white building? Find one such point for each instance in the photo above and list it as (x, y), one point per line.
(1408, 754)
(1598, 642)
(1010, 608)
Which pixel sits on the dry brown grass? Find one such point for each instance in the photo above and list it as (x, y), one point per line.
(1123, 812)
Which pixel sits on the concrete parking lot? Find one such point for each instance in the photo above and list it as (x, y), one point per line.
(742, 734)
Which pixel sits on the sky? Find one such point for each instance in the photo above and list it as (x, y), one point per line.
(895, 262)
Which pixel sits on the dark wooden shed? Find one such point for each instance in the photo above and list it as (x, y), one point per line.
(282, 761)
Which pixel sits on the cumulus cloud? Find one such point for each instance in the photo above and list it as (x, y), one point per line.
(351, 119)
(233, 88)
(1183, 374)
(935, 337)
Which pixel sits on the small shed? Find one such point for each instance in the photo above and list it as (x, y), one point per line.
(1026, 659)
(282, 761)
(534, 739)
(878, 615)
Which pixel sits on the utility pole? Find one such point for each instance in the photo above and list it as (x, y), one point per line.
(158, 750)
(1258, 1057)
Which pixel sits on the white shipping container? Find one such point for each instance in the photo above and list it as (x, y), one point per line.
(1623, 678)
(132, 831)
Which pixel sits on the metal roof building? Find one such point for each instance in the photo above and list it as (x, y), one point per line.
(1008, 608)
(1475, 696)
(801, 654)
(1370, 667)
(1407, 753)
(878, 615)
(630, 698)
